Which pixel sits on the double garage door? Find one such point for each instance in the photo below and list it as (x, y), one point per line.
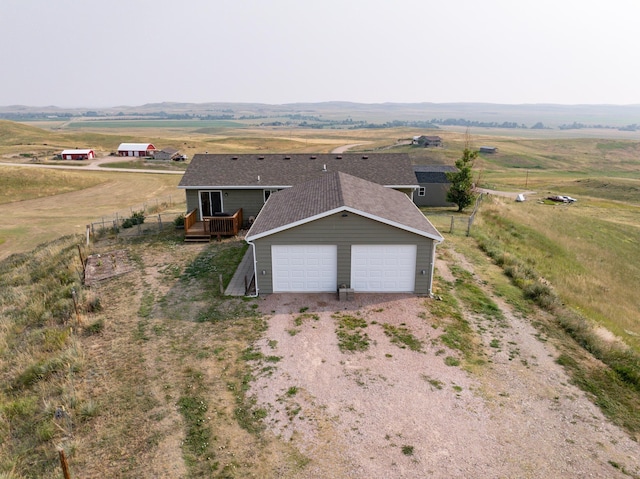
(314, 268)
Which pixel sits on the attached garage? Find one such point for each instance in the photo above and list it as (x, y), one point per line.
(383, 268)
(340, 230)
(304, 268)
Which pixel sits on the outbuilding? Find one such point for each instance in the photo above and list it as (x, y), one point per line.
(340, 231)
(78, 154)
(136, 149)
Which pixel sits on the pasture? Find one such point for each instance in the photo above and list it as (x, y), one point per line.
(587, 253)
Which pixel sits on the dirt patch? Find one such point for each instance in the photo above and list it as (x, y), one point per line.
(390, 411)
(99, 267)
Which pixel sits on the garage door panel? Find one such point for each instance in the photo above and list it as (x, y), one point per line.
(304, 268)
(383, 268)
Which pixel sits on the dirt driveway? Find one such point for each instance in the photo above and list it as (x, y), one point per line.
(392, 412)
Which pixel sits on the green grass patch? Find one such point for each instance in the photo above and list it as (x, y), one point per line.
(401, 336)
(350, 332)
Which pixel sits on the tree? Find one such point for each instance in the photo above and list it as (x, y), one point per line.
(461, 190)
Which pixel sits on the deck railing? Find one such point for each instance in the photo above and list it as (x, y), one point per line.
(224, 225)
(190, 219)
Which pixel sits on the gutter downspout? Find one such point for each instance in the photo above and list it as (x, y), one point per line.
(433, 265)
(255, 269)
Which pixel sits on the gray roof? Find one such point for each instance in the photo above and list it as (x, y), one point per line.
(433, 173)
(335, 191)
(283, 170)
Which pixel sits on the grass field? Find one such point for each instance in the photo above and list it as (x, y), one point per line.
(587, 253)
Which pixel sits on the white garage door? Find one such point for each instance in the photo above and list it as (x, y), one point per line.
(383, 268)
(304, 268)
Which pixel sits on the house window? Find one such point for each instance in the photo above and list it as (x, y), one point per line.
(422, 191)
(267, 193)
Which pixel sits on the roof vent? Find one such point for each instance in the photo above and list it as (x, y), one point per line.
(313, 157)
(234, 157)
(339, 157)
(258, 178)
(261, 157)
(324, 167)
(365, 157)
(287, 157)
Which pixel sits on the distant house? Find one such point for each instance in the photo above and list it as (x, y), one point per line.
(78, 154)
(488, 149)
(336, 229)
(167, 154)
(433, 185)
(136, 149)
(427, 141)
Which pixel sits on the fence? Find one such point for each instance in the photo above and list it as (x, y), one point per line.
(150, 217)
(448, 223)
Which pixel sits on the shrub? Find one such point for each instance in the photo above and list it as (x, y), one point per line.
(136, 218)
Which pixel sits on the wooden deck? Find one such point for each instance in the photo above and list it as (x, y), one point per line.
(211, 226)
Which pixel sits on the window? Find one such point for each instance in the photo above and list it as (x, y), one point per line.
(422, 191)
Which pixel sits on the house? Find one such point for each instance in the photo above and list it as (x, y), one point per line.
(225, 183)
(167, 154)
(433, 185)
(337, 230)
(135, 149)
(488, 149)
(86, 154)
(427, 141)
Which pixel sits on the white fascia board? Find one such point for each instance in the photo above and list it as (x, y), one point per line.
(402, 186)
(438, 239)
(235, 187)
(294, 224)
(395, 224)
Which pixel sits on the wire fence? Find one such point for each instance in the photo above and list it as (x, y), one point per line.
(150, 217)
(455, 223)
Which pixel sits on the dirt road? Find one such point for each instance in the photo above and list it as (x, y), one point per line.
(392, 412)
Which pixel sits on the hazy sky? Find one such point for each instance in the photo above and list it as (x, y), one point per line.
(97, 53)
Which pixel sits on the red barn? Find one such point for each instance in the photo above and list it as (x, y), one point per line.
(78, 154)
(135, 149)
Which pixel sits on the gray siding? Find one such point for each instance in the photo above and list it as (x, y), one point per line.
(343, 232)
(435, 195)
(251, 201)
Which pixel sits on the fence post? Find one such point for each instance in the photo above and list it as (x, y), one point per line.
(452, 223)
(63, 464)
(470, 222)
(160, 221)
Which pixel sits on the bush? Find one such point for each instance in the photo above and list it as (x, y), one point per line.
(137, 218)
(179, 221)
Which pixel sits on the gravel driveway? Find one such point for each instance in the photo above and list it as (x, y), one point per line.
(390, 412)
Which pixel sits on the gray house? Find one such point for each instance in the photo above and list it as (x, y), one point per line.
(225, 183)
(338, 230)
(433, 185)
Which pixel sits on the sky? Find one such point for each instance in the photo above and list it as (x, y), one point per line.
(101, 53)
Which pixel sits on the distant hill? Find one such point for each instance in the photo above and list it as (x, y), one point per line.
(474, 114)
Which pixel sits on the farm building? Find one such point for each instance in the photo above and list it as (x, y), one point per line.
(488, 149)
(167, 154)
(433, 185)
(86, 154)
(427, 141)
(135, 149)
(337, 230)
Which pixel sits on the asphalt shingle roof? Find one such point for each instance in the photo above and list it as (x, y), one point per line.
(433, 173)
(335, 191)
(283, 170)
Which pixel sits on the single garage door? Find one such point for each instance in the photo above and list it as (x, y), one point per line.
(383, 268)
(304, 268)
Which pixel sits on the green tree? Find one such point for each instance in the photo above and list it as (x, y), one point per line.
(461, 190)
